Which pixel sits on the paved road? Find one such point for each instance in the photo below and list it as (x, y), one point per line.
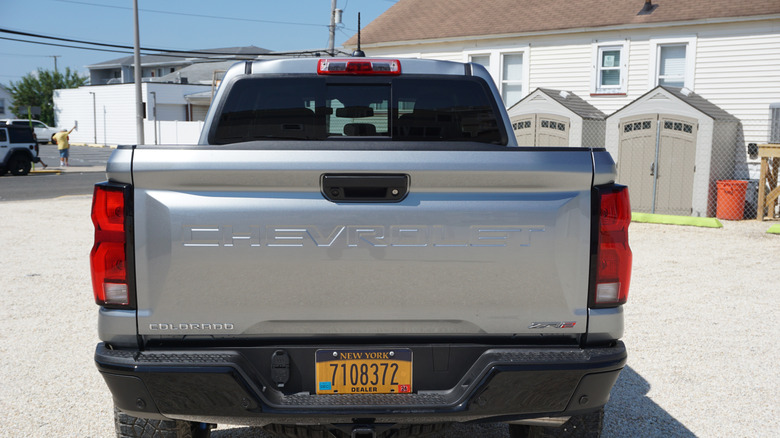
(87, 167)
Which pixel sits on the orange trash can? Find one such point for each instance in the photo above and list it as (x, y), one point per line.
(731, 199)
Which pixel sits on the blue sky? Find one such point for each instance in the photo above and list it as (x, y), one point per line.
(279, 25)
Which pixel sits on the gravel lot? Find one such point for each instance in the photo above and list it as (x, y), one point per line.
(702, 331)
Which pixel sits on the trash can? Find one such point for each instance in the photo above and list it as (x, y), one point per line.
(751, 199)
(731, 199)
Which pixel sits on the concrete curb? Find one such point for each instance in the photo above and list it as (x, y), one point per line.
(95, 145)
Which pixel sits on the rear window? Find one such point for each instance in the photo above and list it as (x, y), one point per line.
(20, 134)
(411, 108)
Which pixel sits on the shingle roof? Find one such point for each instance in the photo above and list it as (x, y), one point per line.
(202, 72)
(410, 20)
(575, 103)
(699, 103)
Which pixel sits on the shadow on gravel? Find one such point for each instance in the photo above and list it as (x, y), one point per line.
(631, 413)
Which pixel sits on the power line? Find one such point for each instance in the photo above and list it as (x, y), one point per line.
(222, 56)
(119, 46)
(194, 15)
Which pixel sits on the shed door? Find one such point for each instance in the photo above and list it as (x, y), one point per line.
(636, 158)
(524, 127)
(676, 165)
(672, 176)
(552, 130)
(541, 130)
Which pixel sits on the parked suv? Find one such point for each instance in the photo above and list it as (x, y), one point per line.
(18, 149)
(43, 132)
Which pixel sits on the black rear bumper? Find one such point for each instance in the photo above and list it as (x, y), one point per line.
(230, 386)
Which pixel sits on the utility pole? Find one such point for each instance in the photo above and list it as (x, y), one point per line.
(55, 61)
(332, 27)
(139, 102)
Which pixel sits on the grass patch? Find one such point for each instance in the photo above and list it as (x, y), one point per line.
(690, 221)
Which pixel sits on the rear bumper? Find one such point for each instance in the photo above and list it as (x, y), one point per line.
(230, 386)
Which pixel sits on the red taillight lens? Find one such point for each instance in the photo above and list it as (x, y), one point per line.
(359, 66)
(613, 265)
(108, 259)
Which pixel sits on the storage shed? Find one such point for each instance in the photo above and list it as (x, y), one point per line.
(557, 118)
(671, 147)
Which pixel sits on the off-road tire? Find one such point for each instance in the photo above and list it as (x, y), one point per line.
(19, 164)
(578, 426)
(128, 426)
(401, 431)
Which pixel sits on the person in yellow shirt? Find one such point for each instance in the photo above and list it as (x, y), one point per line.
(63, 146)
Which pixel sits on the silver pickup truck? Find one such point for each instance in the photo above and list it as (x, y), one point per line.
(358, 247)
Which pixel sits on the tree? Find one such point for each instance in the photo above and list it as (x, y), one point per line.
(37, 89)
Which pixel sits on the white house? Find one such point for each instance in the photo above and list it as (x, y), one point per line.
(606, 51)
(154, 67)
(6, 100)
(176, 93)
(105, 114)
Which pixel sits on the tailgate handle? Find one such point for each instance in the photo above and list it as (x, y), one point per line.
(364, 188)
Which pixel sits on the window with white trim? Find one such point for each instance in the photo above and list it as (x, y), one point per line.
(610, 68)
(483, 60)
(509, 70)
(672, 62)
(511, 78)
(671, 65)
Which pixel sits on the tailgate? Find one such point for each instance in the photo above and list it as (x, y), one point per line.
(243, 243)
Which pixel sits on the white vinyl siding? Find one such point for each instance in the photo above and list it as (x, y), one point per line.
(735, 65)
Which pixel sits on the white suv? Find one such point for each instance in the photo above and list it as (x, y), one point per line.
(17, 149)
(43, 132)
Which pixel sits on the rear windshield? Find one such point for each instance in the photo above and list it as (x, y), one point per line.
(402, 108)
(20, 134)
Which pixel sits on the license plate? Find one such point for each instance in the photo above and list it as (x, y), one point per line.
(371, 371)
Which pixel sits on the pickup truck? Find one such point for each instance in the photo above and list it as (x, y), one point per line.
(358, 247)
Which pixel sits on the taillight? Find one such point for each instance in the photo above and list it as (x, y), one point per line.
(613, 255)
(359, 66)
(108, 259)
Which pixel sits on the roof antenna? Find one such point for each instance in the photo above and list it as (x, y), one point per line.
(358, 53)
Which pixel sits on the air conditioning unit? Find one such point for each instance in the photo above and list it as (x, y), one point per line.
(774, 123)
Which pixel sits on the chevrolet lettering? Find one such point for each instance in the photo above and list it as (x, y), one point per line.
(352, 236)
(359, 247)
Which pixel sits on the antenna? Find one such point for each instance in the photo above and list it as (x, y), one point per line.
(358, 53)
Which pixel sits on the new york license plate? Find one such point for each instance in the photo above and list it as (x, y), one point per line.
(371, 371)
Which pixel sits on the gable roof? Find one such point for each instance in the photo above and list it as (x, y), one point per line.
(700, 103)
(575, 103)
(411, 20)
(686, 96)
(567, 99)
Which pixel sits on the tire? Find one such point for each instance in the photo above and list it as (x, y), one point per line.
(128, 426)
(578, 426)
(53, 141)
(19, 164)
